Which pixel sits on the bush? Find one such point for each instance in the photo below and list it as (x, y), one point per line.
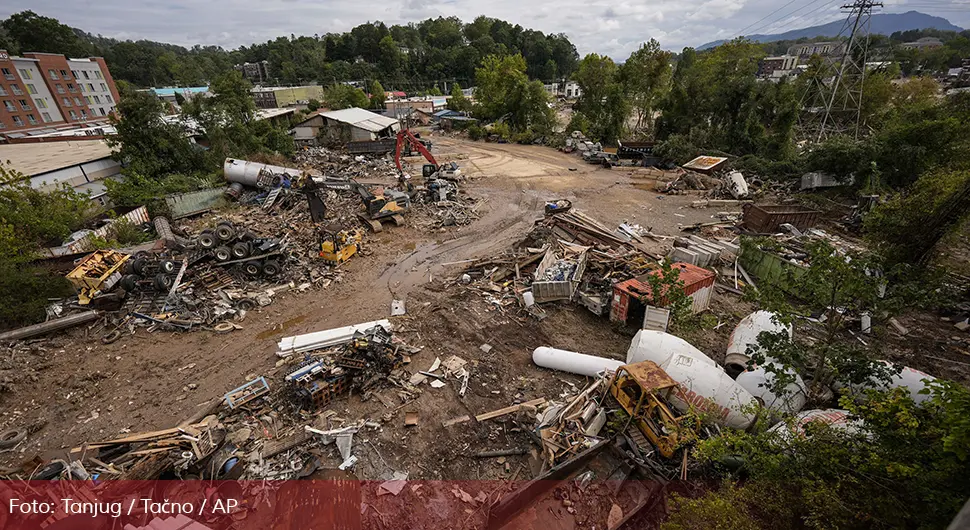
(138, 190)
(502, 130)
(578, 122)
(24, 291)
(475, 132)
(677, 148)
(753, 165)
(839, 156)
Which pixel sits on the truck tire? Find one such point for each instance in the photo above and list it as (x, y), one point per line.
(207, 239)
(163, 282)
(167, 266)
(240, 250)
(253, 268)
(138, 265)
(129, 282)
(225, 232)
(12, 437)
(223, 253)
(271, 268)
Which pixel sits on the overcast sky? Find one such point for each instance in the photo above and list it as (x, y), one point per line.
(614, 27)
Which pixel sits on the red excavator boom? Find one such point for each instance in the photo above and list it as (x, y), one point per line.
(405, 135)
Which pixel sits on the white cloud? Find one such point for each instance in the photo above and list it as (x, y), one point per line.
(615, 28)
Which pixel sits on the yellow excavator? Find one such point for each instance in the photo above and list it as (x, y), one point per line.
(643, 390)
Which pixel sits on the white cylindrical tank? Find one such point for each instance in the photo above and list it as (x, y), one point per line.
(746, 334)
(908, 378)
(758, 383)
(247, 173)
(837, 418)
(660, 347)
(709, 389)
(572, 362)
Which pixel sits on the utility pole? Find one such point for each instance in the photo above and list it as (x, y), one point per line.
(835, 107)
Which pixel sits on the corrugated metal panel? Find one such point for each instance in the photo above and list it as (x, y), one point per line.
(71, 176)
(361, 118)
(186, 204)
(656, 318)
(100, 169)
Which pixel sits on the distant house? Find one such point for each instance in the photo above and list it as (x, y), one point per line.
(808, 49)
(456, 122)
(347, 125)
(777, 67)
(926, 43)
(445, 113)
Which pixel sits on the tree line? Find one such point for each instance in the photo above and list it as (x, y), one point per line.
(408, 57)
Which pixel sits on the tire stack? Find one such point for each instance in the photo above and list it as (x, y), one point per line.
(144, 272)
(227, 243)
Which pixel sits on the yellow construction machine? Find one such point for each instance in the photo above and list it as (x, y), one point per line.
(643, 390)
(96, 273)
(338, 247)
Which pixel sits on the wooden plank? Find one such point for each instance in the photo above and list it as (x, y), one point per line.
(141, 437)
(508, 410)
(275, 447)
(455, 421)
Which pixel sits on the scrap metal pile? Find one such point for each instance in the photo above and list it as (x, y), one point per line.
(567, 256)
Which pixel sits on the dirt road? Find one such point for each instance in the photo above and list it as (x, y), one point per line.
(81, 390)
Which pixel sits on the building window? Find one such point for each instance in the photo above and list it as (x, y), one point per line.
(87, 99)
(3, 125)
(46, 117)
(97, 73)
(104, 87)
(73, 115)
(60, 88)
(23, 104)
(17, 121)
(7, 73)
(90, 87)
(84, 113)
(52, 74)
(108, 98)
(31, 89)
(75, 73)
(32, 119)
(97, 100)
(3, 91)
(41, 104)
(64, 74)
(77, 102)
(81, 86)
(9, 106)
(67, 102)
(70, 87)
(101, 109)
(85, 72)
(25, 74)
(16, 89)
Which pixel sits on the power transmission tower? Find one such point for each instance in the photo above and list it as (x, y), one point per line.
(835, 106)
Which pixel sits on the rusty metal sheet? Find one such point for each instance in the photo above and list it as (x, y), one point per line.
(194, 202)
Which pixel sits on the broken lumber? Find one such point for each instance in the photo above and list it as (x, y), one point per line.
(508, 410)
(275, 447)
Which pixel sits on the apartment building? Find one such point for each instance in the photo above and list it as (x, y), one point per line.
(41, 89)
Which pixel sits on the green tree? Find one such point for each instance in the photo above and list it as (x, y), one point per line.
(504, 91)
(30, 219)
(458, 102)
(646, 77)
(35, 33)
(145, 143)
(603, 100)
(341, 96)
(377, 95)
(312, 104)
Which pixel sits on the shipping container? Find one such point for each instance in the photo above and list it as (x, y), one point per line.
(767, 218)
(631, 297)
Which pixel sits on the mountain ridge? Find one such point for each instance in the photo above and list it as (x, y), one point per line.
(881, 23)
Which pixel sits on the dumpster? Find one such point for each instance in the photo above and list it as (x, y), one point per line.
(767, 218)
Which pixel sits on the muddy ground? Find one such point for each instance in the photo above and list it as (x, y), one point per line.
(78, 390)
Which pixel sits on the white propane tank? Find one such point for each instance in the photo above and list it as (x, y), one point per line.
(758, 383)
(709, 388)
(746, 334)
(247, 173)
(837, 418)
(660, 347)
(737, 185)
(908, 378)
(572, 362)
